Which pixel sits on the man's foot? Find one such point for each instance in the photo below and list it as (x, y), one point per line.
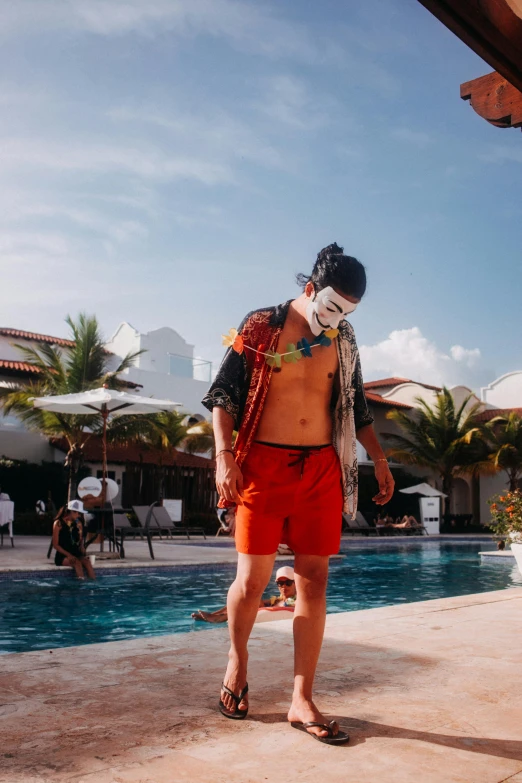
(235, 680)
(303, 711)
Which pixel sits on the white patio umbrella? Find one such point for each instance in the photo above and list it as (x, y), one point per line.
(107, 402)
(423, 489)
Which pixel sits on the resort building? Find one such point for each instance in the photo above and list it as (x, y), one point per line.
(168, 369)
(16, 442)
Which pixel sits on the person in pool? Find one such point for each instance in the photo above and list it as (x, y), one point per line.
(68, 540)
(285, 581)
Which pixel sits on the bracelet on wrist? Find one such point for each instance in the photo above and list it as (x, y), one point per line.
(381, 459)
(225, 451)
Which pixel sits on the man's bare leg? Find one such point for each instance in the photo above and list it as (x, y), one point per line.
(311, 579)
(244, 595)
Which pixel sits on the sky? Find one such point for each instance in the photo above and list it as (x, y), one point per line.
(177, 162)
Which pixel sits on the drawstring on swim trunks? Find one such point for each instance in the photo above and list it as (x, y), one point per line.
(301, 456)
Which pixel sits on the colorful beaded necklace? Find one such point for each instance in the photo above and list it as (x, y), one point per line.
(294, 353)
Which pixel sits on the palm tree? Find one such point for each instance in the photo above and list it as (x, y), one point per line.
(83, 366)
(503, 437)
(161, 431)
(441, 437)
(200, 439)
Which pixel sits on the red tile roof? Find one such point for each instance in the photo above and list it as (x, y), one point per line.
(492, 413)
(39, 338)
(19, 367)
(385, 382)
(396, 382)
(376, 399)
(12, 367)
(134, 453)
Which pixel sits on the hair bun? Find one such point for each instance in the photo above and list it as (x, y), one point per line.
(331, 250)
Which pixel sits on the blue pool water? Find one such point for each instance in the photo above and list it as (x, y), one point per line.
(41, 613)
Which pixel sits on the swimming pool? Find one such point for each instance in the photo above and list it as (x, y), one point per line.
(41, 613)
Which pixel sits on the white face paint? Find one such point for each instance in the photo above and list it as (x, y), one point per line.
(326, 310)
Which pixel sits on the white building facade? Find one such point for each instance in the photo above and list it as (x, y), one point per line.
(166, 368)
(16, 441)
(505, 392)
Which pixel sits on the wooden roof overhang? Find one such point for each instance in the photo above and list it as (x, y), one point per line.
(493, 30)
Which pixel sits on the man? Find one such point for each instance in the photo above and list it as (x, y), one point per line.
(291, 385)
(286, 583)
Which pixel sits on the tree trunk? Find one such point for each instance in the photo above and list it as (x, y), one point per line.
(73, 473)
(73, 462)
(71, 488)
(447, 488)
(513, 480)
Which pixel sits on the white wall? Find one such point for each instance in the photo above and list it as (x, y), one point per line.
(126, 339)
(8, 351)
(158, 346)
(171, 387)
(20, 444)
(505, 392)
(153, 367)
(408, 392)
(489, 486)
(460, 393)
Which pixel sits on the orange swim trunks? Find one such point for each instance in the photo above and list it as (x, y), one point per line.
(292, 495)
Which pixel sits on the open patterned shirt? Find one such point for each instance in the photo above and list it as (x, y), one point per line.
(241, 386)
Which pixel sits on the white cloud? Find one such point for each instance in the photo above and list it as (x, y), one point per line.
(19, 207)
(219, 135)
(406, 353)
(289, 102)
(253, 28)
(146, 162)
(249, 27)
(467, 356)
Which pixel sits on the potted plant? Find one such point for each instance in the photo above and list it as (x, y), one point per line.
(506, 520)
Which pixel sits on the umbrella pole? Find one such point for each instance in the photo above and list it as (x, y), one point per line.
(105, 414)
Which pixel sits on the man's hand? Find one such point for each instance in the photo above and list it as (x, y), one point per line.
(386, 483)
(229, 479)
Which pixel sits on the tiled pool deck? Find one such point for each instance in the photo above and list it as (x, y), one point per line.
(428, 692)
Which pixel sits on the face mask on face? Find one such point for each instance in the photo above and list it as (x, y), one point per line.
(326, 310)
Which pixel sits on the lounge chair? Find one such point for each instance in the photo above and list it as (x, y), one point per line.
(125, 528)
(357, 526)
(364, 526)
(161, 517)
(349, 525)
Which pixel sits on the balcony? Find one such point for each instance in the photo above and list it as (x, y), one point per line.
(190, 367)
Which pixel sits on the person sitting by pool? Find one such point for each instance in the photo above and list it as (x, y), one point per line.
(407, 522)
(68, 540)
(285, 580)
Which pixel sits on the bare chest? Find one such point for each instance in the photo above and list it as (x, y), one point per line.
(317, 372)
